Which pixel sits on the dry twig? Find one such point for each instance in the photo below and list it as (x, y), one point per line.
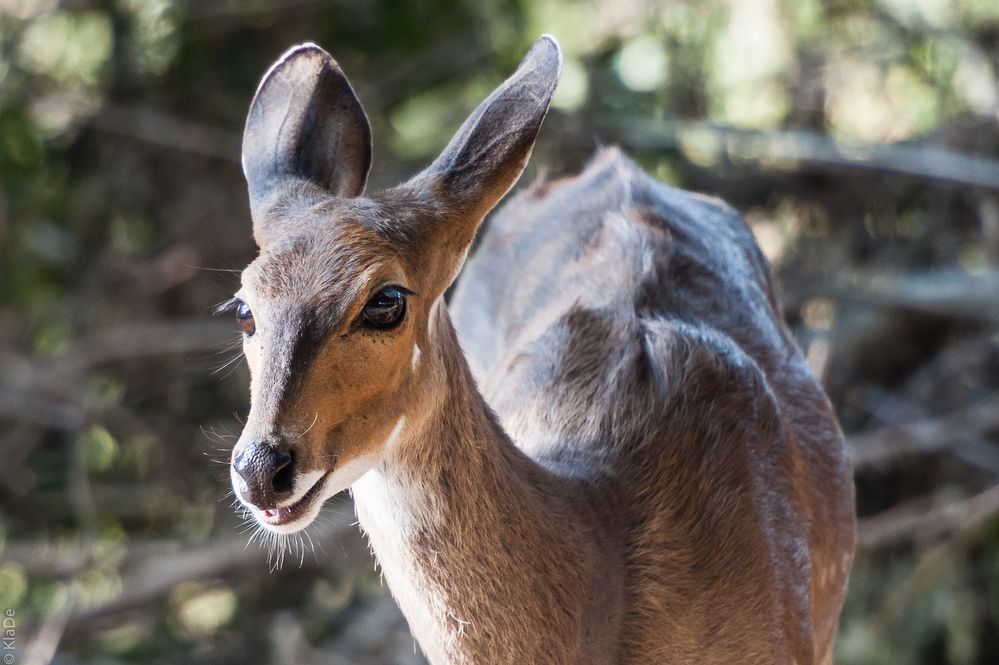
(905, 523)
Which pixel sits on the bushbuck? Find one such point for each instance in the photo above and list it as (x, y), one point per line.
(606, 448)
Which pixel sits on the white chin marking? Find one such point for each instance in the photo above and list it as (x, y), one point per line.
(293, 527)
(303, 483)
(348, 472)
(342, 477)
(304, 520)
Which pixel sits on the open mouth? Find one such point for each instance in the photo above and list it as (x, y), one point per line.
(287, 514)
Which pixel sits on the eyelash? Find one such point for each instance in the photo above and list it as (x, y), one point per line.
(227, 305)
(232, 303)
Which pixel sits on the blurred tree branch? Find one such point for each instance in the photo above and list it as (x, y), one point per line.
(800, 150)
(46, 392)
(885, 445)
(912, 521)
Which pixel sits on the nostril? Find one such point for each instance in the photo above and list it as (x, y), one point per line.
(284, 476)
(264, 471)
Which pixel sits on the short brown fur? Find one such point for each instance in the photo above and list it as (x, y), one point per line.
(626, 459)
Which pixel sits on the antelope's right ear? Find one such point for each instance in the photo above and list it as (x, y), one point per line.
(491, 148)
(305, 123)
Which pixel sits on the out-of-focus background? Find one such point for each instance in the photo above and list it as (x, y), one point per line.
(859, 138)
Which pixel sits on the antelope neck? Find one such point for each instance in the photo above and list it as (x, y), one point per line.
(451, 487)
(449, 458)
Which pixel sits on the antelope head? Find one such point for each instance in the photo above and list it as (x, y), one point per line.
(336, 310)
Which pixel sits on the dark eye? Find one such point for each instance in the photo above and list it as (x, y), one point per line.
(386, 308)
(245, 319)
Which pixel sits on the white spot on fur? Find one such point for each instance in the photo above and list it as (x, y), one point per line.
(432, 319)
(393, 439)
(416, 356)
(391, 507)
(389, 514)
(384, 508)
(374, 502)
(346, 474)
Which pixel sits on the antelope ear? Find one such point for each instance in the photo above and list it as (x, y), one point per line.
(489, 152)
(305, 123)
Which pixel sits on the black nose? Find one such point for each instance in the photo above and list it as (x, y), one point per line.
(267, 473)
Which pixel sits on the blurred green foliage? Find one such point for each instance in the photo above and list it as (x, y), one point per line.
(123, 215)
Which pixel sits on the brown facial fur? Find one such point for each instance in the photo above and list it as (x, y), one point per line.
(331, 372)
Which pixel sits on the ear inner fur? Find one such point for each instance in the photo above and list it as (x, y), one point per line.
(489, 151)
(305, 124)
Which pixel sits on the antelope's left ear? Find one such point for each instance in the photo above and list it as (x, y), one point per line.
(305, 123)
(491, 148)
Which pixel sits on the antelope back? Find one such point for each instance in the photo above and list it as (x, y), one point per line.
(643, 327)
